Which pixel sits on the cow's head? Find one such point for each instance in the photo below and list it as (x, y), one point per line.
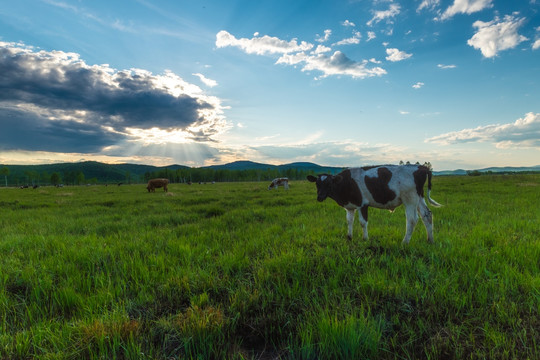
(324, 184)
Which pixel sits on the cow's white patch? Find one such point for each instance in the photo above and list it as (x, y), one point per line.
(323, 177)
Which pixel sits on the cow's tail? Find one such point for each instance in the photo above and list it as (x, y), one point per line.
(431, 201)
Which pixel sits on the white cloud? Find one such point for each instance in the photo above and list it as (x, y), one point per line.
(496, 35)
(347, 23)
(324, 38)
(205, 80)
(442, 66)
(337, 153)
(523, 133)
(466, 7)
(428, 4)
(321, 49)
(378, 16)
(536, 44)
(355, 39)
(336, 64)
(259, 139)
(396, 55)
(371, 35)
(294, 54)
(261, 45)
(418, 85)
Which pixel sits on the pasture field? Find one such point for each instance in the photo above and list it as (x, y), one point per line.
(234, 271)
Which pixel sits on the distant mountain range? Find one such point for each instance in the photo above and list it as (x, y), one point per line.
(308, 166)
(107, 173)
(119, 172)
(249, 165)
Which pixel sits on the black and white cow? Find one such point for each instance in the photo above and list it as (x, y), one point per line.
(383, 187)
(279, 182)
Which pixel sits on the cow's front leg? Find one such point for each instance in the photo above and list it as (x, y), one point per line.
(350, 221)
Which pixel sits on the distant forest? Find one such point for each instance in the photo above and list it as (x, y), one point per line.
(98, 173)
(92, 172)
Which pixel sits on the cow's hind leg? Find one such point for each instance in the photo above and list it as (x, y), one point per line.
(427, 219)
(363, 216)
(412, 219)
(350, 222)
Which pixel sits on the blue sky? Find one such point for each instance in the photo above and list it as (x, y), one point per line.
(338, 83)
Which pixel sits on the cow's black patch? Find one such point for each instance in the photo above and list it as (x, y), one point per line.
(345, 190)
(420, 176)
(378, 186)
(364, 212)
(342, 188)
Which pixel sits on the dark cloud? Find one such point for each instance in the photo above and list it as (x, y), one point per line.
(21, 130)
(96, 102)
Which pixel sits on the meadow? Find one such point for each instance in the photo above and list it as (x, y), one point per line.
(234, 271)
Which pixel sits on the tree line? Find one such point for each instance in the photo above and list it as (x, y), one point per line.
(196, 175)
(489, 172)
(184, 175)
(78, 176)
(31, 178)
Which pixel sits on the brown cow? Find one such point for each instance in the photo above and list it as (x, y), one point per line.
(157, 183)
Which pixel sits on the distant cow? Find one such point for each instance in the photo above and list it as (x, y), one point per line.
(157, 183)
(383, 187)
(279, 182)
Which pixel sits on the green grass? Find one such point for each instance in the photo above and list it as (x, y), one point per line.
(232, 270)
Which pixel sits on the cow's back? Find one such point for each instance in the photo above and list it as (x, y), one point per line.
(384, 186)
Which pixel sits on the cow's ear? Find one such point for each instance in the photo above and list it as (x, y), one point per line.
(337, 179)
(311, 178)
